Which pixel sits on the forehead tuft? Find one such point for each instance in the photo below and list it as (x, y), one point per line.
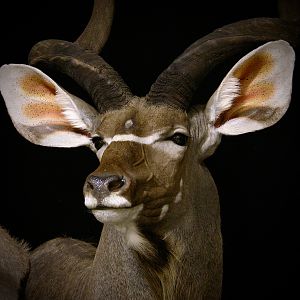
(128, 124)
(140, 118)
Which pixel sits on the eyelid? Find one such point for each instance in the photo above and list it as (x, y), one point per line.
(181, 130)
(167, 135)
(97, 136)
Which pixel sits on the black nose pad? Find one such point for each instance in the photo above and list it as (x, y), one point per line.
(109, 183)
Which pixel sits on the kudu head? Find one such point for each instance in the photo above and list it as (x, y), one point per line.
(149, 147)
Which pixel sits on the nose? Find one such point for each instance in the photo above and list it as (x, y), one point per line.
(105, 184)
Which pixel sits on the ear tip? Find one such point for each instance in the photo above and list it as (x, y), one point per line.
(6, 72)
(282, 45)
(3, 69)
(7, 67)
(286, 44)
(3, 74)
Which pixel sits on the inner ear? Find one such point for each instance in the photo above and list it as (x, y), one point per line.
(256, 92)
(42, 111)
(253, 89)
(66, 82)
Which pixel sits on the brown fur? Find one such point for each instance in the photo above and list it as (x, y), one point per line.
(14, 266)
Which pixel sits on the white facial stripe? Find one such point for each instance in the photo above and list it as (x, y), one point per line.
(115, 201)
(90, 202)
(148, 140)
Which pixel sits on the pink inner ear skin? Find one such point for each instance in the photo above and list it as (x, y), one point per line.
(254, 67)
(254, 89)
(45, 111)
(34, 85)
(254, 95)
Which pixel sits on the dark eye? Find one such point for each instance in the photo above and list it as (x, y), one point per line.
(179, 139)
(98, 142)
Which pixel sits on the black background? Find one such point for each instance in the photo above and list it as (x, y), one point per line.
(256, 174)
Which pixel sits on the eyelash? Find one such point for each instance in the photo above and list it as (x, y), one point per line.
(179, 139)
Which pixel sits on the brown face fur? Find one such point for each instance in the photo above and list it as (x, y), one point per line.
(143, 155)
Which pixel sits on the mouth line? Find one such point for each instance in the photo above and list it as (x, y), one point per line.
(100, 208)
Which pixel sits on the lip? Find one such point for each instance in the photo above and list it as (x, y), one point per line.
(110, 202)
(100, 207)
(104, 207)
(106, 214)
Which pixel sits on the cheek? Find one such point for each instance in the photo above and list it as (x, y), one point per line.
(165, 160)
(169, 150)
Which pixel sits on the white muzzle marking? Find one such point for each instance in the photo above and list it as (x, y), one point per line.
(115, 201)
(111, 201)
(90, 201)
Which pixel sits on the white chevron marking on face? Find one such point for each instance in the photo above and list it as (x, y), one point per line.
(148, 140)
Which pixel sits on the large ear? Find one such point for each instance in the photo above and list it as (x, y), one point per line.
(256, 92)
(42, 111)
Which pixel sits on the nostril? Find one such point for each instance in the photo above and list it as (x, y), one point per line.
(90, 185)
(115, 183)
(105, 184)
(93, 182)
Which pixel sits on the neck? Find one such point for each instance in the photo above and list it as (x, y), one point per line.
(188, 264)
(197, 240)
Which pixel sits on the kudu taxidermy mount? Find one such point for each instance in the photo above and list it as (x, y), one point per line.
(161, 237)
